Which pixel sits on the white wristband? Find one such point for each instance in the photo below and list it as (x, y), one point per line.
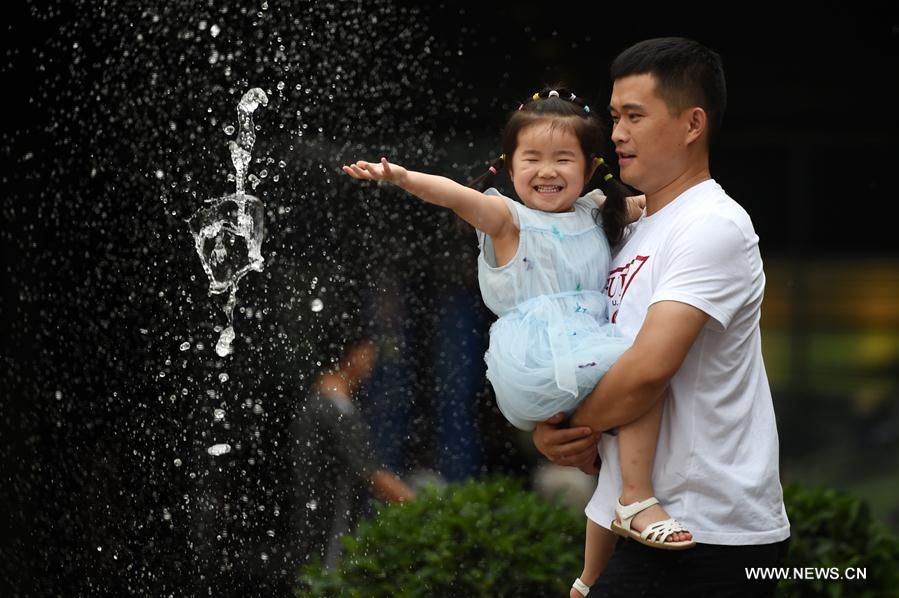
(581, 587)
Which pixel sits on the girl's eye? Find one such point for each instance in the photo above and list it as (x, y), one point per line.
(564, 160)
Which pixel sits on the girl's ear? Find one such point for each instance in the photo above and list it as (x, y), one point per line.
(592, 170)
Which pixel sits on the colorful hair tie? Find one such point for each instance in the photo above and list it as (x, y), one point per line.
(502, 157)
(553, 93)
(572, 98)
(607, 177)
(536, 96)
(599, 161)
(492, 169)
(520, 106)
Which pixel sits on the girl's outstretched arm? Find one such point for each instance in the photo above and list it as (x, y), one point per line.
(487, 213)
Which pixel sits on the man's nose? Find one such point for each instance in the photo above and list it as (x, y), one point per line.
(619, 132)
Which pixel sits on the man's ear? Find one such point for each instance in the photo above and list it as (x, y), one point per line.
(697, 121)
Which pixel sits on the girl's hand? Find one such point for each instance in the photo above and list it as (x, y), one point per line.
(385, 171)
(635, 206)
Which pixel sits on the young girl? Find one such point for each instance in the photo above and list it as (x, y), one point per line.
(542, 269)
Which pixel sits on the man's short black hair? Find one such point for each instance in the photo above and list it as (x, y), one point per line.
(686, 73)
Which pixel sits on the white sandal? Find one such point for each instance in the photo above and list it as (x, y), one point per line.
(656, 533)
(582, 588)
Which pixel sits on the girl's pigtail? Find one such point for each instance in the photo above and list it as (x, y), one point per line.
(485, 181)
(614, 210)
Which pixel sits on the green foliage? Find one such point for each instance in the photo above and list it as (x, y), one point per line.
(833, 529)
(478, 538)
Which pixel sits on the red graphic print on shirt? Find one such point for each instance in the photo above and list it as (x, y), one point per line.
(619, 280)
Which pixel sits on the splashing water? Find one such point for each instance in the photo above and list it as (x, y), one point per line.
(246, 136)
(228, 233)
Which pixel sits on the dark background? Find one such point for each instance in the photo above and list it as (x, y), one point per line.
(112, 136)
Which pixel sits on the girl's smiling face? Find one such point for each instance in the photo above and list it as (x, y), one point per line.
(548, 168)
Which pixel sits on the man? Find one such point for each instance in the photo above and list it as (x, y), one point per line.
(687, 285)
(334, 467)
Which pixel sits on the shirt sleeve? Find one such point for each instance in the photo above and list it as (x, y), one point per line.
(707, 266)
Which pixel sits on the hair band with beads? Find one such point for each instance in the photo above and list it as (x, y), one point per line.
(553, 93)
(587, 109)
(572, 98)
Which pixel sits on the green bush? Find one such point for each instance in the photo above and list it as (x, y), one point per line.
(833, 529)
(478, 538)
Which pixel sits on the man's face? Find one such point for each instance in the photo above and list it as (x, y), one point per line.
(650, 142)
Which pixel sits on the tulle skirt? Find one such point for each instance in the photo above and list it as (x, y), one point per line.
(547, 354)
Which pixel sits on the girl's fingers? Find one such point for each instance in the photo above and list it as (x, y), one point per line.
(362, 171)
(350, 172)
(373, 171)
(386, 166)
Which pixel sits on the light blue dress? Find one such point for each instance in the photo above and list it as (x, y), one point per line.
(553, 341)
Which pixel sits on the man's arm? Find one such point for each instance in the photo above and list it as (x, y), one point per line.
(628, 390)
(639, 377)
(390, 488)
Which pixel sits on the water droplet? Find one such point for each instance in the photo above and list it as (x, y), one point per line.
(257, 409)
(159, 174)
(229, 129)
(280, 85)
(215, 30)
(219, 449)
(223, 347)
(177, 462)
(218, 414)
(185, 346)
(316, 305)
(312, 505)
(223, 377)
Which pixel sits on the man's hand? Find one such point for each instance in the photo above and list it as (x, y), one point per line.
(385, 171)
(574, 447)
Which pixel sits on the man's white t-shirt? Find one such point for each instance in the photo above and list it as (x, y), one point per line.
(716, 464)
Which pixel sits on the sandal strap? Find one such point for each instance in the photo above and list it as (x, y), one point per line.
(660, 530)
(627, 512)
(582, 588)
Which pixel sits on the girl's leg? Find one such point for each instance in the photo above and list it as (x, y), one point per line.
(598, 549)
(636, 450)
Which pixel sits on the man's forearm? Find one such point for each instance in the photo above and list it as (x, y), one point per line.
(624, 394)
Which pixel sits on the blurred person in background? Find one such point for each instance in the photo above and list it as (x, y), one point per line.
(335, 468)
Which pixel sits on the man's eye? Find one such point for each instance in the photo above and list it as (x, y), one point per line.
(634, 117)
